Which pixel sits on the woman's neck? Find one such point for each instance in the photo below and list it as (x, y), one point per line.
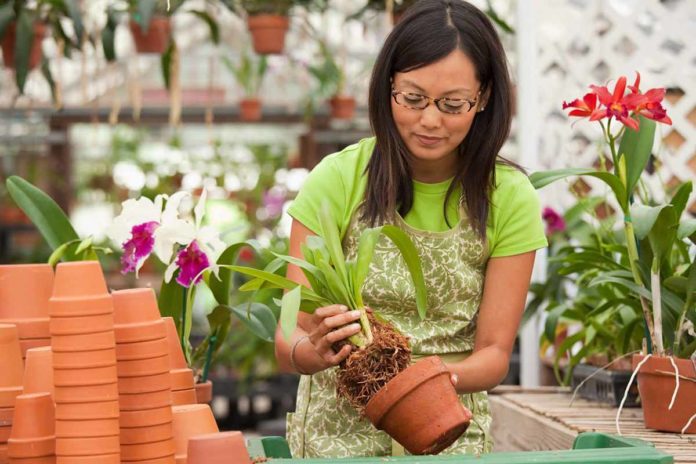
(433, 171)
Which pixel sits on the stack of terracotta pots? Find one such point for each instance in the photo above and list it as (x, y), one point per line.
(183, 389)
(191, 420)
(24, 293)
(33, 439)
(144, 383)
(10, 382)
(84, 366)
(38, 371)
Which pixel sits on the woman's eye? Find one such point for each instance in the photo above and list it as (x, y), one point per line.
(413, 99)
(453, 105)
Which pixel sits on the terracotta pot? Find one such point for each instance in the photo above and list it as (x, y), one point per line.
(147, 384)
(83, 359)
(141, 332)
(268, 33)
(85, 342)
(83, 377)
(25, 288)
(30, 329)
(87, 411)
(142, 350)
(86, 393)
(80, 306)
(656, 383)
(6, 415)
(189, 421)
(181, 379)
(181, 397)
(218, 448)
(41, 460)
(38, 371)
(78, 279)
(177, 360)
(420, 408)
(81, 324)
(28, 344)
(87, 446)
(9, 40)
(156, 39)
(94, 459)
(143, 367)
(34, 418)
(204, 392)
(8, 396)
(149, 400)
(5, 433)
(30, 448)
(342, 107)
(134, 306)
(146, 417)
(11, 365)
(250, 109)
(143, 451)
(86, 428)
(153, 433)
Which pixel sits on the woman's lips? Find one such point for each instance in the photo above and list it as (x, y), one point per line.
(428, 141)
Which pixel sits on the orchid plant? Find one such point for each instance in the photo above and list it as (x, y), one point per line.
(660, 271)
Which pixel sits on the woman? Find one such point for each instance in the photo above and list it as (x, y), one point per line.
(440, 108)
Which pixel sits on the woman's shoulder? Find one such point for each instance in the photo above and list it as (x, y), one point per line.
(509, 176)
(355, 155)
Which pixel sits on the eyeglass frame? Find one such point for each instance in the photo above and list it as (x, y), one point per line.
(436, 101)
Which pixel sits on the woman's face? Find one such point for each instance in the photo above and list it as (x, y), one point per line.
(432, 136)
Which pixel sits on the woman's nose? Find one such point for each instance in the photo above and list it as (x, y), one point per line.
(431, 117)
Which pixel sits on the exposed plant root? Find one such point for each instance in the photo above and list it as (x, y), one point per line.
(367, 370)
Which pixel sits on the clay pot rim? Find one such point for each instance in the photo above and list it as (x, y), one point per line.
(267, 20)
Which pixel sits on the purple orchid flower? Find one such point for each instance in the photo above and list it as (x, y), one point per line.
(554, 221)
(191, 262)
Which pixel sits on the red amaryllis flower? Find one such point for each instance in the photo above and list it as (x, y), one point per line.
(191, 261)
(616, 104)
(583, 108)
(554, 221)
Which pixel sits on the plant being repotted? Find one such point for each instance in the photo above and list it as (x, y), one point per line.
(382, 355)
(662, 275)
(249, 73)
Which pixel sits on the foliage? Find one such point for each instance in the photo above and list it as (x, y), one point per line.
(249, 72)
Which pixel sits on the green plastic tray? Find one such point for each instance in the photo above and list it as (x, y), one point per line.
(588, 448)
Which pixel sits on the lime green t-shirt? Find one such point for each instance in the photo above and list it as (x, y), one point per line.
(514, 220)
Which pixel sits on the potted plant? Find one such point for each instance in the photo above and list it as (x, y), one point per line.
(331, 79)
(662, 276)
(268, 22)
(249, 73)
(23, 26)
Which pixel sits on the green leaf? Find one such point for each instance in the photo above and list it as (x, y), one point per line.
(659, 224)
(366, 248)
(279, 282)
(636, 146)
(108, 35)
(644, 218)
(46, 71)
(288, 311)
(46, 215)
(23, 45)
(58, 253)
(84, 244)
(552, 318)
(222, 284)
(687, 228)
(170, 300)
(624, 282)
(144, 13)
(329, 232)
(166, 62)
(543, 178)
(7, 14)
(340, 294)
(74, 12)
(258, 318)
(681, 197)
(212, 25)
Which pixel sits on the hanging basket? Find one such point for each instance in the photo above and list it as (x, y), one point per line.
(156, 39)
(268, 33)
(9, 41)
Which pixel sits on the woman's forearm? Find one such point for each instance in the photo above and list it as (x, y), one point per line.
(481, 371)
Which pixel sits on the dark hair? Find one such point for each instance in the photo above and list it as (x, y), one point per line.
(429, 31)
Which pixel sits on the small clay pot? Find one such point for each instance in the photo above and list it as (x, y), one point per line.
(34, 417)
(146, 417)
(28, 344)
(85, 342)
(180, 397)
(84, 359)
(83, 377)
(342, 107)
(92, 305)
(142, 350)
(87, 411)
(25, 290)
(218, 448)
(268, 33)
(6, 416)
(9, 40)
(31, 328)
(78, 279)
(135, 306)
(94, 459)
(177, 360)
(149, 400)
(656, 384)
(86, 393)
(8, 396)
(11, 365)
(81, 324)
(153, 433)
(156, 39)
(143, 367)
(189, 421)
(31, 448)
(182, 379)
(143, 451)
(41, 460)
(87, 428)
(420, 408)
(250, 109)
(141, 332)
(38, 371)
(147, 384)
(87, 446)
(204, 392)
(5, 433)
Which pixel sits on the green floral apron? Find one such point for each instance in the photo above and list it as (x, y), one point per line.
(453, 261)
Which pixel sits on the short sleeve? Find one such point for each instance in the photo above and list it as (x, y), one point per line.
(518, 226)
(323, 183)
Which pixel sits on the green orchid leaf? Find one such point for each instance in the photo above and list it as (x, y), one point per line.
(644, 218)
(543, 178)
(73, 8)
(46, 71)
(24, 42)
(636, 146)
(258, 318)
(166, 63)
(552, 317)
(84, 244)
(170, 300)
(58, 253)
(212, 24)
(565, 346)
(221, 284)
(144, 13)
(279, 282)
(337, 287)
(46, 215)
(624, 282)
(329, 232)
(251, 285)
(659, 224)
(681, 197)
(289, 308)
(366, 248)
(687, 228)
(108, 35)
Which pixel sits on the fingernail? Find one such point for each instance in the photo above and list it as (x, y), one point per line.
(344, 308)
(355, 326)
(355, 313)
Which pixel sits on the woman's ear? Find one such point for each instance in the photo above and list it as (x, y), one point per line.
(483, 100)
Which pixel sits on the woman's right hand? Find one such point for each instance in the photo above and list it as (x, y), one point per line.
(328, 325)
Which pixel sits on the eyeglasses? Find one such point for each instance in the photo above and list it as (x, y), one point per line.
(446, 105)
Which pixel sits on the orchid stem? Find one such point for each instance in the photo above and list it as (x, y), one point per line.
(209, 356)
(182, 335)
